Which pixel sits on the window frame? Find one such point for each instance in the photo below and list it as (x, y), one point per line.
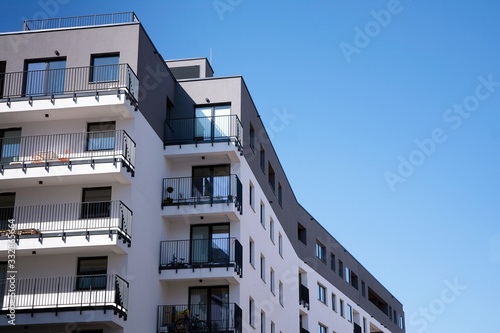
(95, 71)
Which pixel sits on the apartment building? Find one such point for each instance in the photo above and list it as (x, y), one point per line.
(144, 195)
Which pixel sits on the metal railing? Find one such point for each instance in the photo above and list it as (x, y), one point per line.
(80, 21)
(214, 317)
(67, 293)
(88, 217)
(69, 148)
(304, 295)
(204, 130)
(203, 190)
(69, 81)
(216, 252)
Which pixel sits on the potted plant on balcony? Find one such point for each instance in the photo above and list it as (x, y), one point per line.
(168, 200)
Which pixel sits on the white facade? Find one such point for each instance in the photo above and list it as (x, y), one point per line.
(119, 229)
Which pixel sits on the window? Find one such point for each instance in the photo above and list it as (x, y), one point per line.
(332, 261)
(320, 251)
(104, 68)
(334, 302)
(252, 253)
(271, 176)
(341, 268)
(321, 294)
(401, 323)
(301, 231)
(271, 280)
(10, 144)
(273, 328)
(390, 312)
(3, 65)
(211, 181)
(45, 77)
(271, 230)
(7, 202)
(395, 318)
(280, 292)
(251, 195)
(210, 244)
(342, 308)
(280, 244)
(101, 136)
(349, 313)
(251, 317)
(322, 328)
(262, 322)
(280, 195)
(91, 273)
(262, 159)
(363, 289)
(262, 215)
(252, 138)
(213, 122)
(347, 275)
(263, 268)
(364, 325)
(96, 202)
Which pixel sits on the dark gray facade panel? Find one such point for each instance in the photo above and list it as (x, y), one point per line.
(156, 84)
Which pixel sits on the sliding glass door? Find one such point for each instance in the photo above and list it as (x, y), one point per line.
(45, 78)
(212, 122)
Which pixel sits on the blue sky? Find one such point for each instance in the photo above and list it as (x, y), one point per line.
(386, 119)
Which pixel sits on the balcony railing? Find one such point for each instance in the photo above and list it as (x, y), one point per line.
(80, 21)
(66, 293)
(304, 296)
(216, 252)
(197, 130)
(214, 317)
(203, 191)
(64, 219)
(94, 80)
(67, 149)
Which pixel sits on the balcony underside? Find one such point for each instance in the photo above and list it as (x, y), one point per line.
(213, 153)
(106, 315)
(111, 103)
(214, 273)
(96, 171)
(52, 243)
(196, 214)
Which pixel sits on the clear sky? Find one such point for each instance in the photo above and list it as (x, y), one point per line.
(386, 119)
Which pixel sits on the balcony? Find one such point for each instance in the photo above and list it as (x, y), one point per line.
(213, 317)
(200, 130)
(80, 21)
(66, 220)
(65, 294)
(304, 296)
(222, 193)
(202, 253)
(98, 87)
(34, 154)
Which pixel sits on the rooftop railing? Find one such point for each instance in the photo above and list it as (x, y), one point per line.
(52, 83)
(67, 149)
(63, 219)
(66, 293)
(198, 130)
(80, 21)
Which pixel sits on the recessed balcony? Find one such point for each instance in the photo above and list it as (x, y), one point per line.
(216, 137)
(102, 223)
(65, 154)
(56, 93)
(212, 317)
(223, 255)
(62, 294)
(304, 296)
(215, 196)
